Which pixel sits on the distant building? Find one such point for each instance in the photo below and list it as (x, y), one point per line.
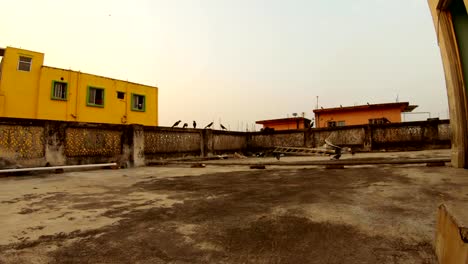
(285, 123)
(28, 89)
(361, 114)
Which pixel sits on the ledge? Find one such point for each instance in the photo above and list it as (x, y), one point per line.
(458, 213)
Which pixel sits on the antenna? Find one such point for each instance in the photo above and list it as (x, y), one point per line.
(397, 98)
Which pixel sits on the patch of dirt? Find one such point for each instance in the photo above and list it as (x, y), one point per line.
(27, 211)
(95, 205)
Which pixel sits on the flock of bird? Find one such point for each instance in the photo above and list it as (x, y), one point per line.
(195, 125)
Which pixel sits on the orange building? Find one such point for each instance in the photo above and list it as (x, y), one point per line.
(361, 114)
(285, 123)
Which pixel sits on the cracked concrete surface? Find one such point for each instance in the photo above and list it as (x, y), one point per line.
(366, 214)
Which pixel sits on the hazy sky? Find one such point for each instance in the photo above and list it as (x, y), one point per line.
(242, 60)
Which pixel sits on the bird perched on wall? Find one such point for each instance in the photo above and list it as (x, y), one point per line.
(194, 124)
(176, 123)
(209, 125)
(311, 124)
(185, 125)
(222, 127)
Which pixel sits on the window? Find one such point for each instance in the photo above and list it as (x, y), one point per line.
(120, 95)
(341, 123)
(95, 96)
(24, 63)
(331, 124)
(59, 90)
(138, 102)
(379, 121)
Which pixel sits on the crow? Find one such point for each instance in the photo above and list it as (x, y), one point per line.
(185, 125)
(209, 125)
(222, 127)
(194, 124)
(311, 124)
(176, 123)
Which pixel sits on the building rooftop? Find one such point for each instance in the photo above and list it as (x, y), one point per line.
(404, 106)
(283, 120)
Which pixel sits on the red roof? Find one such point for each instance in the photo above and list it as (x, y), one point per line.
(404, 106)
(290, 119)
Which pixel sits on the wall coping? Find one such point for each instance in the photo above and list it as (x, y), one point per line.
(41, 122)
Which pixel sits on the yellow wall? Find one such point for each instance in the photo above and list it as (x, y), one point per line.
(28, 94)
(19, 88)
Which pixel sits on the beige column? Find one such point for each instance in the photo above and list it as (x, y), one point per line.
(456, 91)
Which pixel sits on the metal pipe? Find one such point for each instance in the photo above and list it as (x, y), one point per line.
(345, 162)
(60, 167)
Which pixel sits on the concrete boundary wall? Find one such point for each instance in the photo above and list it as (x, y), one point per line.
(363, 138)
(30, 143)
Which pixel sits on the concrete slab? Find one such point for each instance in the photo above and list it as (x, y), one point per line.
(451, 242)
(227, 214)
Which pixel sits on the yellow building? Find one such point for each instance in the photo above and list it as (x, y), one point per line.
(28, 89)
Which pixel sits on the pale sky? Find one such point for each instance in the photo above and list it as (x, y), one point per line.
(242, 60)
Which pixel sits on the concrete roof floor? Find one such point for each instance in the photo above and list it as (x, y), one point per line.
(227, 214)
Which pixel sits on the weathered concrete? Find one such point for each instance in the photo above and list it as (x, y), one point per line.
(227, 215)
(33, 143)
(411, 136)
(92, 142)
(451, 243)
(455, 83)
(261, 140)
(22, 143)
(354, 137)
(229, 142)
(55, 145)
(138, 146)
(40, 142)
(397, 136)
(163, 142)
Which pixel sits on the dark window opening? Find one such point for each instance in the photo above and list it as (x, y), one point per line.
(120, 95)
(331, 124)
